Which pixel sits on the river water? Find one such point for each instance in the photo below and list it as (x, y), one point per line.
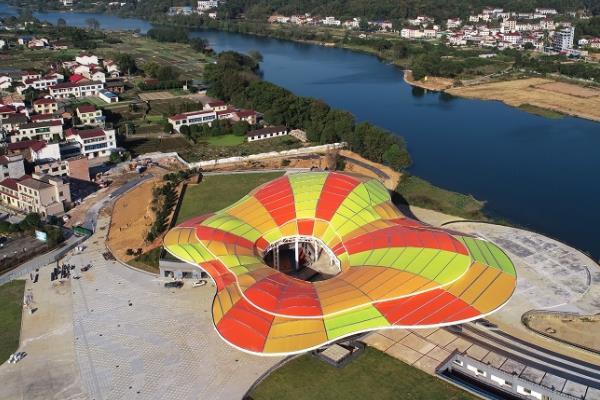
(536, 172)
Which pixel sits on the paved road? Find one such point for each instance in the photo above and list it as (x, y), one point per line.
(535, 356)
(89, 222)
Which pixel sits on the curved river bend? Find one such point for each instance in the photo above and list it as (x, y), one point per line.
(536, 172)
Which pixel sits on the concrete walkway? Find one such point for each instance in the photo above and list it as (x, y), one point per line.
(49, 371)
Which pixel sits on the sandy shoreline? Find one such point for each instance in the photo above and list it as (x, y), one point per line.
(542, 93)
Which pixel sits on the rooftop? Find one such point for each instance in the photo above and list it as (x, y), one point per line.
(86, 108)
(34, 184)
(189, 114)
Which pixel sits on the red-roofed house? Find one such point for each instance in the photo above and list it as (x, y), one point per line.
(217, 105)
(45, 106)
(35, 150)
(93, 142)
(76, 78)
(88, 114)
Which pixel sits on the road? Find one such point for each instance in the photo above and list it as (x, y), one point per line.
(532, 355)
(89, 222)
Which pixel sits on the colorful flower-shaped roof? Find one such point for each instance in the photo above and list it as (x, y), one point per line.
(395, 272)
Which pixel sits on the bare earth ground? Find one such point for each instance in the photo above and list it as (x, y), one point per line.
(573, 329)
(131, 219)
(430, 83)
(544, 93)
(394, 176)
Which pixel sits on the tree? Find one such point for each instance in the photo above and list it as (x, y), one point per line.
(167, 128)
(528, 46)
(61, 23)
(255, 55)
(199, 44)
(126, 63)
(92, 23)
(363, 25)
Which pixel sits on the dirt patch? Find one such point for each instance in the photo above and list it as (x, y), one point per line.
(434, 83)
(131, 220)
(147, 96)
(566, 98)
(369, 168)
(571, 90)
(578, 330)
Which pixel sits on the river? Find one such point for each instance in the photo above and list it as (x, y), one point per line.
(536, 172)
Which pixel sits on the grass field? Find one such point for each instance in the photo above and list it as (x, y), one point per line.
(418, 192)
(542, 112)
(373, 375)
(11, 300)
(219, 191)
(226, 140)
(143, 145)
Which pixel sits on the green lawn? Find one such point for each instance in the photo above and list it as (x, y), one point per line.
(219, 191)
(418, 192)
(11, 300)
(226, 140)
(147, 261)
(373, 375)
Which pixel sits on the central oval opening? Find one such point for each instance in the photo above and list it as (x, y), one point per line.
(302, 257)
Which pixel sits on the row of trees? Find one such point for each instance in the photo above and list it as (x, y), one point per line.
(233, 78)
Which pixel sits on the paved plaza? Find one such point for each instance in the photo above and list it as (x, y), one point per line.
(135, 339)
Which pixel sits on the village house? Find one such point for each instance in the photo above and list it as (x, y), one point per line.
(45, 106)
(266, 133)
(43, 194)
(76, 167)
(6, 81)
(47, 131)
(35, 150)
(193, 118)
(93, 142)
(79, 89)
(88, 114)
(11, 166)
(205, 5)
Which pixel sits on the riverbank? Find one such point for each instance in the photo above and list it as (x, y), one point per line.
(548, 94)
(434, 83)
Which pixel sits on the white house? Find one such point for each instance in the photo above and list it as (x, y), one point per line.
(331, 21)
(266, 133)
(204, 5)
(93, 142)
(79, 89)
(192, 118)
(87, 59)
(5, 81)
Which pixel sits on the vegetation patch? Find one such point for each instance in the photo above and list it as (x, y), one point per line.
(226, 140)
(219, 191)
(147, 261)
(373, 375)
(542, 112)
(11, 300)
(418, 192)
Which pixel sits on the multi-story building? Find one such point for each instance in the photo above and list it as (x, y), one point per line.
(93, 142)
(11, 166)
(76, 167)
(42, 83)
(47, 131)
(43, 194)
(45, 106)
(78, 89)
(563, 39)
(89, 115)
(192, 118)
